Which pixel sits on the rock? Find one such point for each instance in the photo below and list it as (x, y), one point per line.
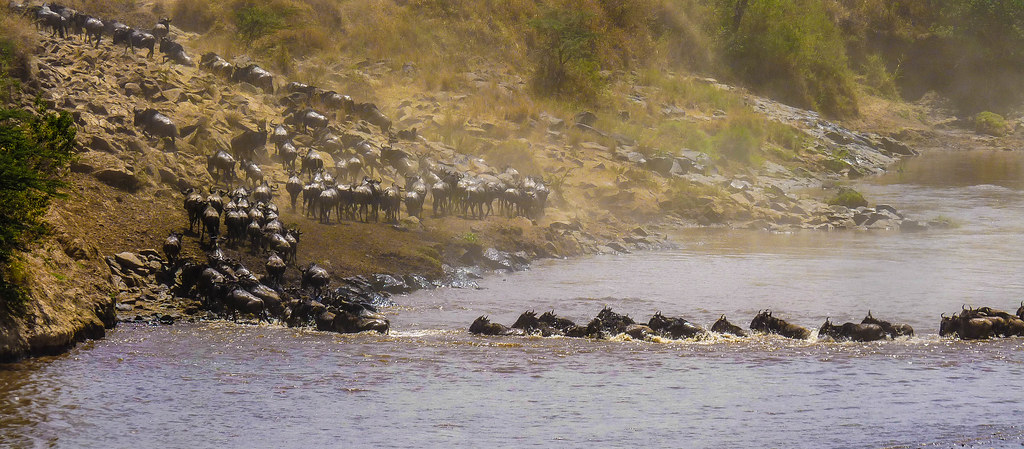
(888, 208)
(739, 185)
(173, 95)
(132, 89)
(618, 247)
(76, 249)
(100, 144)
(81, 167)
(893, 146)
(665, 166)
(913, 226)
(248, 88)
(129, 261)
(588, 128)
(586, 118)
(168, 177)
(98, 109)
(631, 156)
(640, 231)
(119, 178)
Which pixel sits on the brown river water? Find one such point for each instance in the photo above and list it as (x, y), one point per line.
(432, 384)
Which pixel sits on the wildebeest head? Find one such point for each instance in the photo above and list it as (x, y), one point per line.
(949, 325)
(829, 329)
(527, 321)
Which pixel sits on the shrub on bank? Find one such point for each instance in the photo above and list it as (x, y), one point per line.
(990, 123)
(849, 198)
(35, 150)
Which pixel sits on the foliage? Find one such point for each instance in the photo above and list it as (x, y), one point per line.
(878, 77)
(849, 198)
(35, 149)
(740, 140)
(567, 61)
(790, 49)
(254, 21)
(990, 123)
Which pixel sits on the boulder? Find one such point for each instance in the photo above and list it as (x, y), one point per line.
(665, 166)
(119, 178)
(586, 118)
(129, 261)
(98, 143)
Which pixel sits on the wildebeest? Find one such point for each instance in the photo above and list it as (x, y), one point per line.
(255, 75)
(312, 163)
(93, 30)
(172, 247)
(765, 322)
(221, 166)
(216, 64)
(371, 113)
(154, 123)
(315, 277)
(893, 330)
(275, 269)
(350, 317)
(851, 331)
(135, 39)
(175, 52)
(965, 327)
(307, 119)
(162, 28)
(253, 172)
(723, 326)
(211, 223)
(1002, 324)
(240, 300)
(674, 327)
(484, 326)
(194, 206)
(245, 145)
(46, 17)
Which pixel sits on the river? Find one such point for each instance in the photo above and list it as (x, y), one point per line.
(431, 384)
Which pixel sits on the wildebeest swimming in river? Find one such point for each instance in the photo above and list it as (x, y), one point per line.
(893, 330)
(765, 322)
(484, 326)
(674, 327)
(981, 323)
(723, 326)
(851, 331)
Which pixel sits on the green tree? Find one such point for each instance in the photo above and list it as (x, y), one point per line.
(567, 54)
(788, 48)
(35, 150)
(256, 21)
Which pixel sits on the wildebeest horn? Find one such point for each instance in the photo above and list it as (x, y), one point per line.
(723, 317)
(869, 313)
(942, 315)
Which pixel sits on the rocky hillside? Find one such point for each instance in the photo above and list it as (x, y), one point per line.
(735, 159)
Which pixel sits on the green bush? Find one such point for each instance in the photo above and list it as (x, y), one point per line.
(255, 21)
(740, 140)
(35, 149)
(790, 49)
(849, 198)
(990, 123)
(566, 56)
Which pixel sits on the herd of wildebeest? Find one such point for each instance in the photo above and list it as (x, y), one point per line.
(970, 324)
(251, 217)
(348, 189)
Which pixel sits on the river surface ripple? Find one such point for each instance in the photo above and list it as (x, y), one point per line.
(431, 384)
